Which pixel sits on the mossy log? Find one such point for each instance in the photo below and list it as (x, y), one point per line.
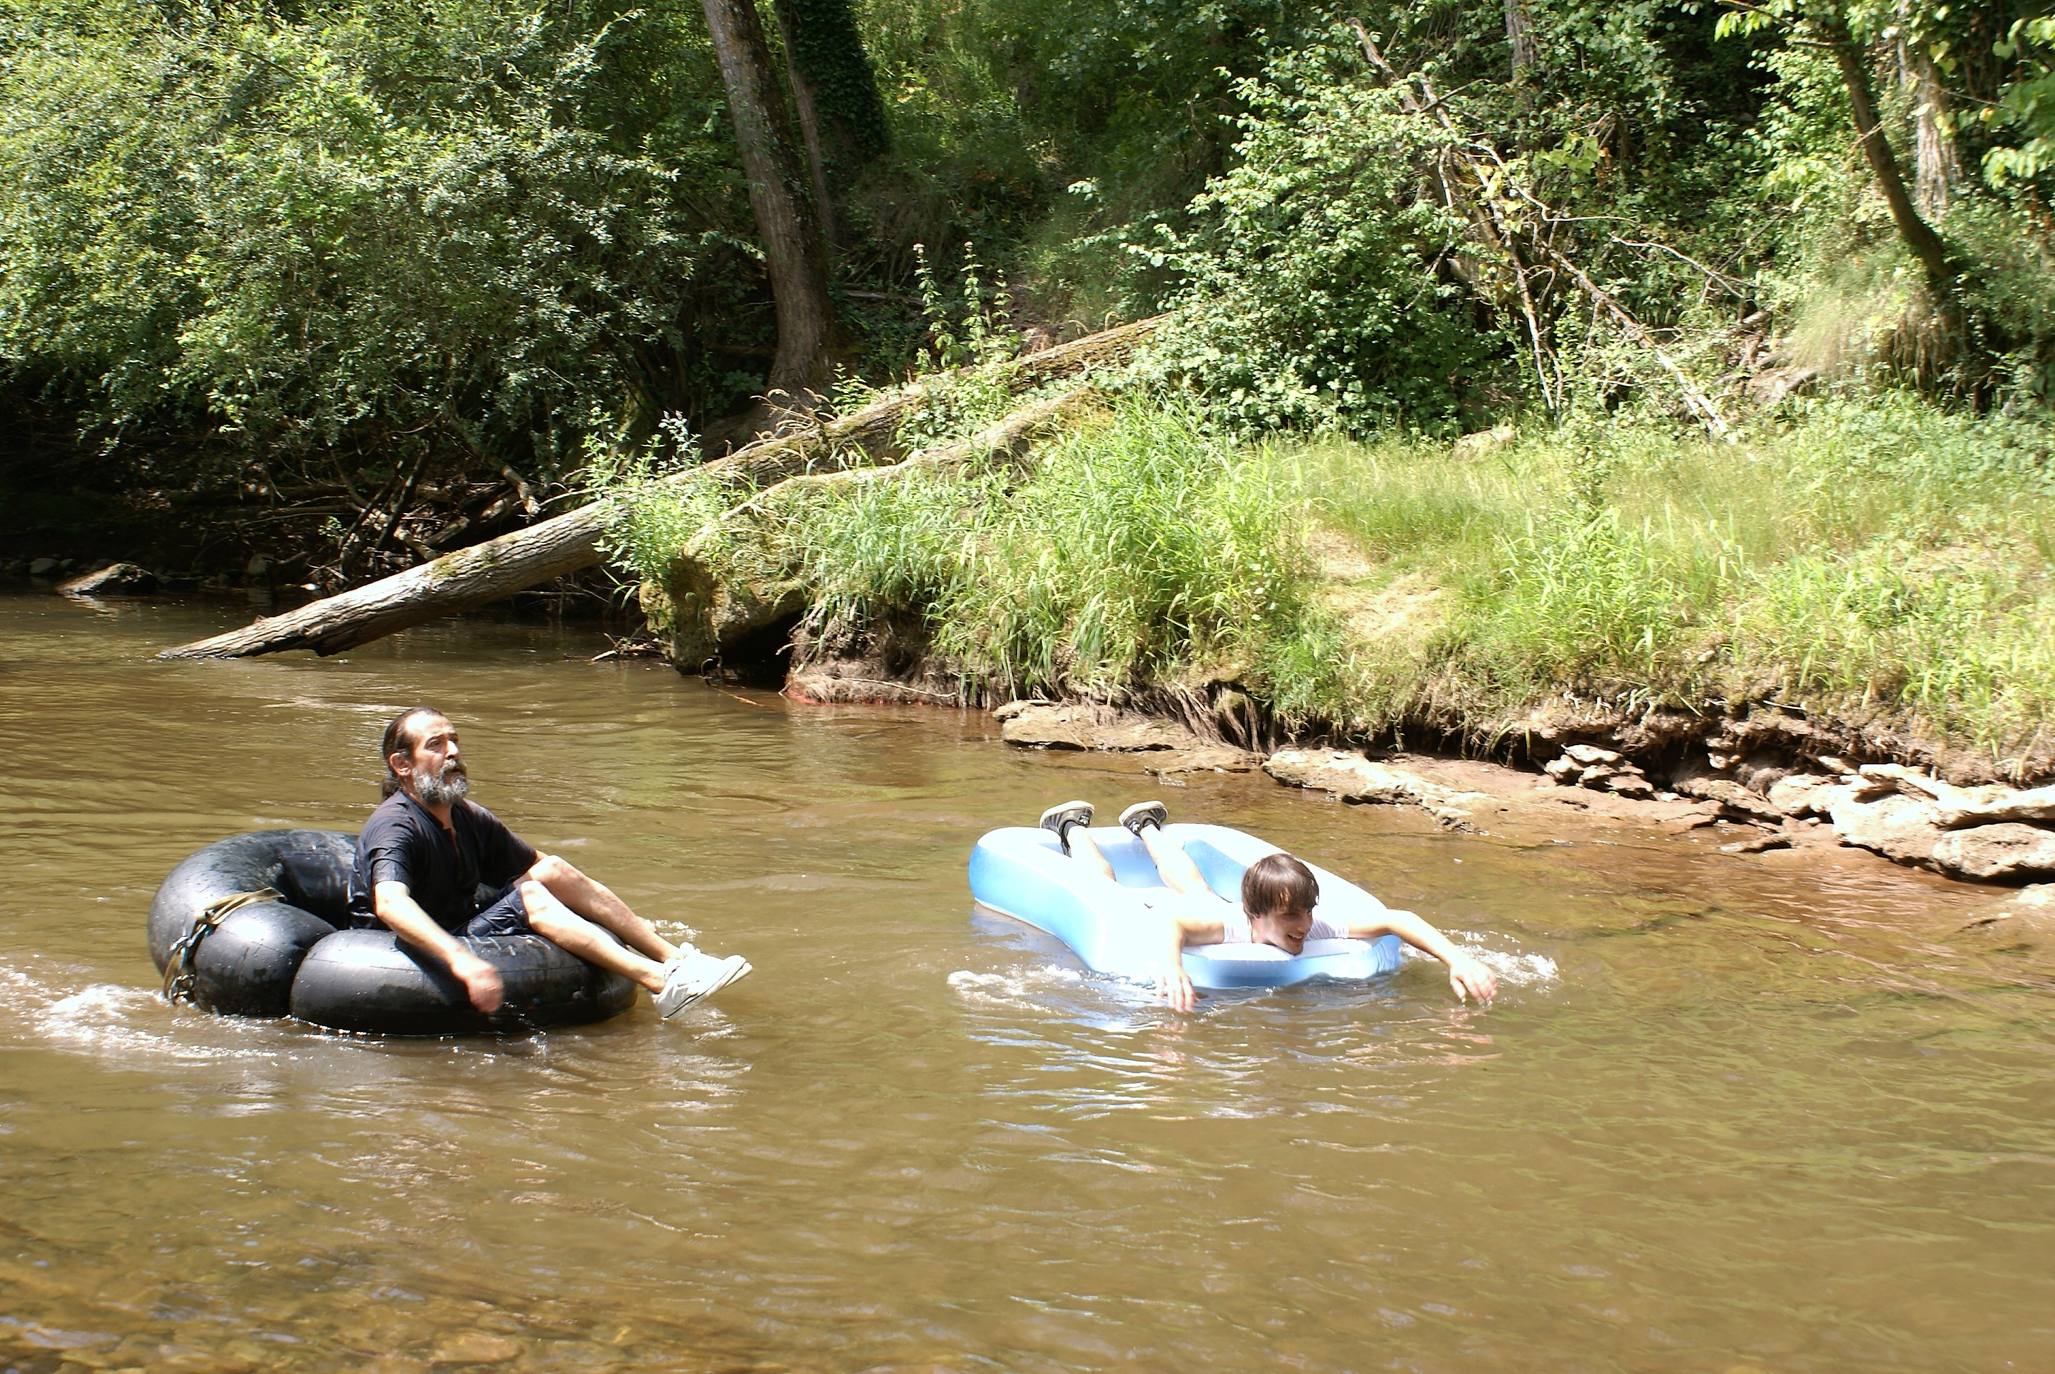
(569, 543)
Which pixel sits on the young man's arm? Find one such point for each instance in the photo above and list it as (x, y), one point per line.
(1466, 976)
(1175, 984)
(396, 907)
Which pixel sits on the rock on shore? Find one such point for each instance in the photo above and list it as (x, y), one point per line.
(1171, 748)
(1988, 833)
(1357, 778)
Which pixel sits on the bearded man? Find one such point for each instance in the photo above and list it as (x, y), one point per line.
(435, 866)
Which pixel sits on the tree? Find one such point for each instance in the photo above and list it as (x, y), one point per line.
(795, 252)
(834, 93)
(1832, 26)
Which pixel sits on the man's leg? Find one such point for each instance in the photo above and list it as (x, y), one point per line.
(681, 980)
(1173, 865)
(558, 924)
(596, 902)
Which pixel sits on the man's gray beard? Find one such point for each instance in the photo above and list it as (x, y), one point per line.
(452, 787)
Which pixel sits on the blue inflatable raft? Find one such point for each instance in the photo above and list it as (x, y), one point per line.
(1117, 927)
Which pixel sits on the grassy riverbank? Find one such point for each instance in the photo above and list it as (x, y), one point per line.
(1884, 562)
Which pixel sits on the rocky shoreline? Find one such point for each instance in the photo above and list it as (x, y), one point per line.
(1725, 781)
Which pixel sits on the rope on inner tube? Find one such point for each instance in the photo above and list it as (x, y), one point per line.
(179, 974)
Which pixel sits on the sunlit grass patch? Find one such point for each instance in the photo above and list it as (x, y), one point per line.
(1894, 561)
(1888, 558)
(1403, 499)
(1957, 637)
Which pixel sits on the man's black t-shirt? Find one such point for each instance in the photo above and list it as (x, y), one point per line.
(402, 843)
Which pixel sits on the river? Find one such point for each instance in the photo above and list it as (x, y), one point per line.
(1728, 1114)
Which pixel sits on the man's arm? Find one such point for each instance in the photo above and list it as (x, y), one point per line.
(1466, 975)
(396, 907)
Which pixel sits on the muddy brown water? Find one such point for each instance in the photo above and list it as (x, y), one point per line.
(1729, 1114)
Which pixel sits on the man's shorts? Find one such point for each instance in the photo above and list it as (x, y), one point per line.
(505, 914)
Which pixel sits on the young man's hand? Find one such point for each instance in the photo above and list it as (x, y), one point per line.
(1176, 987)
(1471, 980)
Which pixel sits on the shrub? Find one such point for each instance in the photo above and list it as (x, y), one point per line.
(1316, 283)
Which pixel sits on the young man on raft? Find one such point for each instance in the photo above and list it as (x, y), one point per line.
(426, 850)
(1278, 896)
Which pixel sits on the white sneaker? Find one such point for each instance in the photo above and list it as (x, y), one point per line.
(694, 975)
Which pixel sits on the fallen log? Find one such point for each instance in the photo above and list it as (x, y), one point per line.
(1006, 439)
(701, 613)
(569, 543)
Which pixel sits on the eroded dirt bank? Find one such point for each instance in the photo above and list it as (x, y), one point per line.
(1766, 783)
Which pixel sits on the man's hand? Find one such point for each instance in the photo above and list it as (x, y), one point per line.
(1471, 979)
(396, 907)
(1176, 987)
(481, 981)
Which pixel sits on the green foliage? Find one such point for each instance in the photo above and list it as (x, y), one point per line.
(655, 507)
(968, 336)
(354, 226)
(1310, 290)
(2026, 109)
(967, 162)
(999, 108)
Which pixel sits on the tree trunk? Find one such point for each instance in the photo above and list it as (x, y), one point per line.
(834, 93)
(809, 115)
(570, 542)
(1936, 166)
(795, 254)
(1919, 236)
(1520, 38)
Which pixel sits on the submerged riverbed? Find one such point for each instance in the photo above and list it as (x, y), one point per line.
(1728, 1114)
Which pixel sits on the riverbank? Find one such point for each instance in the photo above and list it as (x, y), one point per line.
(1639, 611)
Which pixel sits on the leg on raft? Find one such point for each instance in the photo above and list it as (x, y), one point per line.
(1071, 822)
(553, 920)
(1179, 873)
(1086, 850)
(596, 902)
(1173, 865)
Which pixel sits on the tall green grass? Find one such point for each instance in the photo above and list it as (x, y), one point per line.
(1138, 547)
(1887, 560)
(1882, 558)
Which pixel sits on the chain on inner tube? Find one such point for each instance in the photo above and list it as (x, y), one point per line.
(180, 975)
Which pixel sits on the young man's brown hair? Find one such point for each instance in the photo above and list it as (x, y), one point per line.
(1277, 883)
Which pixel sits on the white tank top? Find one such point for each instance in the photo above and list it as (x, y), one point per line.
(1236, 929)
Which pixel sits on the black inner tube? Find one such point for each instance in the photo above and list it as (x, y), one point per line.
(297, 955)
